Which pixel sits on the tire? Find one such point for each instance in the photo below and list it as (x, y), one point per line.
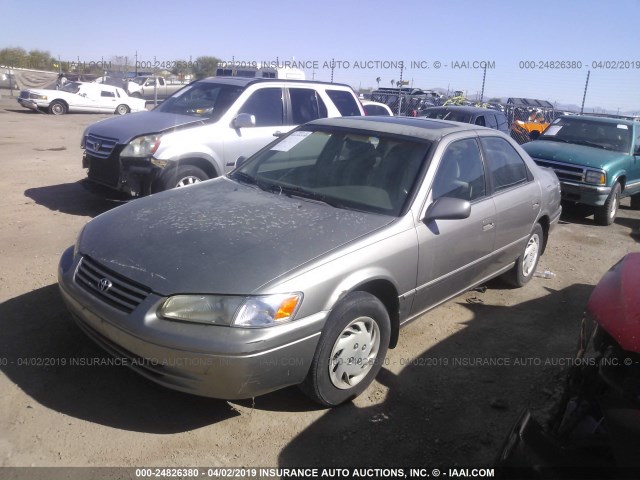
(122, 109)
(182, 176)
(635, 202)
(57, 108)
(527, 262)
(606, 214)
(356, 336)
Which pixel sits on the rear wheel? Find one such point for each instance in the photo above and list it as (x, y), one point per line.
(527, 262)
(182, 176)
(351, 350)
(122, 109)
(57, 108)
(606, 214)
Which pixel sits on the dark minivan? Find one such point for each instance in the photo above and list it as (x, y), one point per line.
(474, 115)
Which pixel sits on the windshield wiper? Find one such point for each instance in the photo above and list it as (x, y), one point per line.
(244, 178)
(294, 191)
(555, 139)
(591, 144)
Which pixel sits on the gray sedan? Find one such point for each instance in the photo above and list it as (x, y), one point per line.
(301, 265)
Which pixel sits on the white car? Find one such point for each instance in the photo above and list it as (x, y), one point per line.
(81, 97)
(376, 108)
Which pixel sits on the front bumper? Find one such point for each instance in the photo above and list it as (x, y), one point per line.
(208, 360)
(585, 194)
(30, 104)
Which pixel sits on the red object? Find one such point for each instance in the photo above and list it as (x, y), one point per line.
(615, 302)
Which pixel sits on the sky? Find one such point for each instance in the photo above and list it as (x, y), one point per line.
(520, 41)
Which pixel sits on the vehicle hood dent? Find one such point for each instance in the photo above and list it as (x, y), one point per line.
(218, 237)
(570, 153)
(128, 127)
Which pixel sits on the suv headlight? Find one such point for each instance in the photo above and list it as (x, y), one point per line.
(593, 176)
(143, 146)
(236, 311)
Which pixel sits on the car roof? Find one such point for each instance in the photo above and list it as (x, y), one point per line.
(462, 108)
(420, 127)
(599, 119)
(246, 81)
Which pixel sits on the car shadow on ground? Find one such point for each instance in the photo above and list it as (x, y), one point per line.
(449, 406)
(39, 343)
(71, 198)
(632, 224)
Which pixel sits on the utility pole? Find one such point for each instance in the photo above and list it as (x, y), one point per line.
(400, 91)
(484, 76)
(586, 85)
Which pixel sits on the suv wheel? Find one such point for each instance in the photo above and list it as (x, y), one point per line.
(606, 214)
(182, 176)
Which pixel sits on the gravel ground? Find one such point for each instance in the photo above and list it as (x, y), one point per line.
(436, 401)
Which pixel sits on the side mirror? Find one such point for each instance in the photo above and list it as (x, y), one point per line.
(534, 134)
(448, 208)
(244, 120)
(240, 160)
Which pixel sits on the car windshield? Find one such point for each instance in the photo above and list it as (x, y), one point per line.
(360, 170)
(71, 87)
(605, 135)
(202, 99)
(139, 80)
(453, 115)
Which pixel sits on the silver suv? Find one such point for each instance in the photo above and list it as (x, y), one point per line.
(200, 131)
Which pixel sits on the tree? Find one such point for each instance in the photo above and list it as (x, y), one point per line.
(205, 67)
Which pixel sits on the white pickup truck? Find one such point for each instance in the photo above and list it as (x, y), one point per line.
(149, 88)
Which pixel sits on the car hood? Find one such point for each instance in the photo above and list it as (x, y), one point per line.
(571, 153)
(218, 237)
(128, 127)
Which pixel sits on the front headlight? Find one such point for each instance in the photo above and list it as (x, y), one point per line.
(144, 146)
(37, 96)
(236, 311)
(596, 177)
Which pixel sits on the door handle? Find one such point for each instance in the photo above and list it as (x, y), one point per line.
(487, 226)
(535, 205)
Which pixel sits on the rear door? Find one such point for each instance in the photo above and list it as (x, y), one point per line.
(516, 195)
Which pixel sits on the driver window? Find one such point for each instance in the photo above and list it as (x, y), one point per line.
(460, 173)
(266, 105)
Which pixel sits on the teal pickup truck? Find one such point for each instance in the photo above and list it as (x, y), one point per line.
(597, 160)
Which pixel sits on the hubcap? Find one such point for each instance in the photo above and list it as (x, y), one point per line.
(354, 353)
(614, 206)
(530, 255)
(186, 181)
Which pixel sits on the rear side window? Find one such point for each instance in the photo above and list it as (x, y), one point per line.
(266, 105)
(306, 105)
(502, 122)
(506, 167)
(105, 93)
(345, 102)
(491, 120)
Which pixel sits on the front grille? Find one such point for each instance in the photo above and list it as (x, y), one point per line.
(564, 171)
(100, 147)
(104, 170)
(110, 287)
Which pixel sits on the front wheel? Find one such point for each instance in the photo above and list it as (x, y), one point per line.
(57, 108)
(527, 262)
(351, 350)
(182, 176)
(122, 110)
(606, 214)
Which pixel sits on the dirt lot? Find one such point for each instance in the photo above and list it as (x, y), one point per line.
(434, 403)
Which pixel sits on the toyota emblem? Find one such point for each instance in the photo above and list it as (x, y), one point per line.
(104, 284)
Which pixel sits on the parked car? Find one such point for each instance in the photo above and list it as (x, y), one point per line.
(149, 87)
(200, 131)
(300, 266)
(596, 158)
(376, 108)
(81, 97)
(475, 115)
(7, 80)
